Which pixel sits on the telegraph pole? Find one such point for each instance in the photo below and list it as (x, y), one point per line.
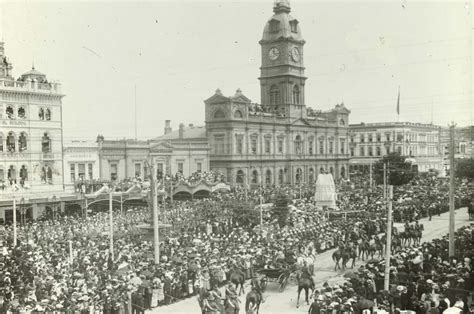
(14, 223)
(111, 224)
(451, 189)
(388, 246)
(385, 181)
(154, 198)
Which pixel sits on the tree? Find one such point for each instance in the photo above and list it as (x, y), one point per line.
(399, 170)
(280, 209)
(465, 168)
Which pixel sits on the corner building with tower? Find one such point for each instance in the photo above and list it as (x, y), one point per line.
(281, 140)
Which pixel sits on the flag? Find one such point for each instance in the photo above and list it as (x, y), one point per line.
(398, 101)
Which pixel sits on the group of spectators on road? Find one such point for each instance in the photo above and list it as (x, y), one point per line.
(422, 280)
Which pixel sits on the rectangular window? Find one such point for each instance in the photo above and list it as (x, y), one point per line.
(343, 147)
(321, 147)
(253, 145)
(180, 167)
(138, 170)
(240, 146)
(362, 138)
(362, 151)
(331, 147)
(159, 171)
(370, 138)
(352, 139)
(388, 150)
(81, 171)
(73, 173)
(199, 166)
(145, 171)
(371, 153)
(280, 146)
(378, 150)
(352, 151)
(379, 137)
(267, 146)
(310, 147)
(89, 171)
(113, 172)
(387, 137)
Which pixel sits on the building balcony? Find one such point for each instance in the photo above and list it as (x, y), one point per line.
(19, 86)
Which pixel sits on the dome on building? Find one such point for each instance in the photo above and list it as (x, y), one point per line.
(34, 75)
(282, 24)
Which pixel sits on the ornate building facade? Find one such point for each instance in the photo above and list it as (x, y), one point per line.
(371, 141)
(281, 140)
(31, 140)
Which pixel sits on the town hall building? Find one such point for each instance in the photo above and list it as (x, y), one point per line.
(281, 140)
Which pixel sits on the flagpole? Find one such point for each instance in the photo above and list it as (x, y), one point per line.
(398, 105)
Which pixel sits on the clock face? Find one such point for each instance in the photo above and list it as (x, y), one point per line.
(274, 53)
(295, 54)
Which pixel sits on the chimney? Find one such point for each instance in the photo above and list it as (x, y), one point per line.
(168, 128)
(181, 130)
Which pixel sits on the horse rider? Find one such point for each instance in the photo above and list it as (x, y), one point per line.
(231, 296)
(417, 226)
(407, 226)
(255, 284)
(305, 273)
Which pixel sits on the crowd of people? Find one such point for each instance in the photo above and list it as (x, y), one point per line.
(67, 264)
(423, 280)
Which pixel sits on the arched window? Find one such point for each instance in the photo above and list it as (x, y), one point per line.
(240, 177)
(311, 175)
(268, 177)
(11, 173)
(299, 175)
(47, 114)
(238, 114)
(41, 114)
(46, 144)
(10, 112)
(281, 176)
(24, 173)
(343, 172)
(296, 95)
(22, 142)
(274, 95)
(21, 113)
(219, 114)
(49, 175)
(255, 176)
(298, 145)
(11, 142)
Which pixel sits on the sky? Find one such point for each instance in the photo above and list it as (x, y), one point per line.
(160, 60)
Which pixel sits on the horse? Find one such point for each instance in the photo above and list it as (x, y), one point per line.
(352, 254)
(231, 306)
(340, 255)
(363, 249)
(306, 284)
(252, 302)
(237, 277)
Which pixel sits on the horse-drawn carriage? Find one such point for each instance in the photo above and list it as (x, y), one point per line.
(280, 276)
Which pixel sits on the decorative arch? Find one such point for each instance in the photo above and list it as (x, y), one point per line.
(21, 112)
(296, 95)
(24, 173)
(10, 112)
(11, 147)
(219, 114)
(240, 177)
(46, 143)
(268, 177)
(238, 114)
(274, 95)
(22, 142)
(255, 176)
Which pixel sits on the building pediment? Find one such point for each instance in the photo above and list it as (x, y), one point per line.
(301, 122)
(216, 99)
(161, 147)
(241, 98)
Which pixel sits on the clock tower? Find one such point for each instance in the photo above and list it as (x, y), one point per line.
(282, 80)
